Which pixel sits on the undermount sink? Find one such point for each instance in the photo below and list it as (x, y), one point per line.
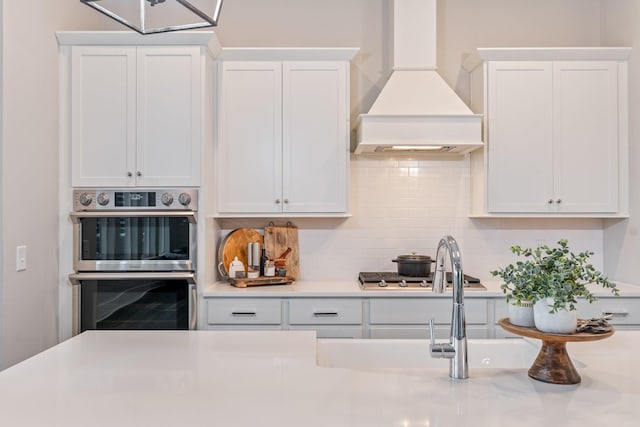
(414, 354)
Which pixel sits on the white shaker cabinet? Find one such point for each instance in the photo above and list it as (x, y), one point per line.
(283, 132)
(555, 133)
(136, 108)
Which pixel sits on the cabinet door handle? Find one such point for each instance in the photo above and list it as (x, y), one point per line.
(243, 314)
(277, 201)
(559, 201)
(129, 174)
(550, 201)
(138, 173)
(325, 314)
(621, 313)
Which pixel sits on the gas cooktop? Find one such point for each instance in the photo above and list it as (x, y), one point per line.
(394, 281)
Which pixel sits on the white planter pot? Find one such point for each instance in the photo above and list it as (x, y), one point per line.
(562, 322)
(521, 315)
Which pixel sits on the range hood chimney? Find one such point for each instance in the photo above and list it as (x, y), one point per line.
(417, 111)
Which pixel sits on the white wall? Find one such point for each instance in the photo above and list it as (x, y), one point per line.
(29, 299)
(622, 240)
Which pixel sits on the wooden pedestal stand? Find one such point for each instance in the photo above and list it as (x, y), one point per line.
(553, 364)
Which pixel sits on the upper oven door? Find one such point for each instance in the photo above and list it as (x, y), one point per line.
(134, 241)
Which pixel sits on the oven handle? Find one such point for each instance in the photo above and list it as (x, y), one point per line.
(193, 307)
(190, 215)
(190, 277)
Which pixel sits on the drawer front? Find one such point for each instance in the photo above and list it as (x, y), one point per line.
(244, 311)
(403, 311)
(325, 311)
(623, 311)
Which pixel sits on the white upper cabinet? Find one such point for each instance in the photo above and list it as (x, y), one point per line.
(136, 108)
(283, 132)
(555, 133)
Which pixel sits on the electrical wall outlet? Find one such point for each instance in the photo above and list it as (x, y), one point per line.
(21, 258)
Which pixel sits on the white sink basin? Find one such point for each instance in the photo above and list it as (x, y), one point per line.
(414, 354)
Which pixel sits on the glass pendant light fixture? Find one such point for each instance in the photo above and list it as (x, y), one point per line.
(159, 16)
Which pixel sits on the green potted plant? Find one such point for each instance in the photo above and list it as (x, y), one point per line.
(553, 279)
(519, 289)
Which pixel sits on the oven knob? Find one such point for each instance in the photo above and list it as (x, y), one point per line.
(166, 199)
(184, 199)
(382, 283)
(103, 199)
(424, 283)
(85, 199)
(403, 283)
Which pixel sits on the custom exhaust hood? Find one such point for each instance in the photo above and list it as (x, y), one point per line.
(417, 111)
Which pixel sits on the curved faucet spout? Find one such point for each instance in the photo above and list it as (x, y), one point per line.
(456, 350)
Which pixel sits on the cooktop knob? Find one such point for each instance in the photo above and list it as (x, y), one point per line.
(85, 199)
(184, 199)
(103, 199)
(382, 283)
(166, 199)
(424, 283)
(403, 283)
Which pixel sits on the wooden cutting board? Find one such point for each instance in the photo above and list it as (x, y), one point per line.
(261, 281)
(235, 245)
(277, 239)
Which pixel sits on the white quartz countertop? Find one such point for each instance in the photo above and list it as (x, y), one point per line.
(270, 378)
(351, 288)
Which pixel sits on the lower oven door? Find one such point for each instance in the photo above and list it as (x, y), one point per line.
(135, 301)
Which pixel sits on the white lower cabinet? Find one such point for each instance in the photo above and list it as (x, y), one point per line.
(388, 317)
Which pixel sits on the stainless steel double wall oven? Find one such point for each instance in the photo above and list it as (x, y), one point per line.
(134, 256)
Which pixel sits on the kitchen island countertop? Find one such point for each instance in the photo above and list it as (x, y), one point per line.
(270, 378)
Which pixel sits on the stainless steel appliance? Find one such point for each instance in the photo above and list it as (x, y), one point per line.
(134, 258)
(394, 281)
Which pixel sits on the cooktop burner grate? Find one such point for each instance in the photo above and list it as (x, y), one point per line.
(395, 281)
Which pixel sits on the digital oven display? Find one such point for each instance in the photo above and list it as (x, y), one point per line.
(135, 198)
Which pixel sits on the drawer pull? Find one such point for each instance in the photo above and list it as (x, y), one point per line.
(243, 314)
(615, 313)
(325, 314)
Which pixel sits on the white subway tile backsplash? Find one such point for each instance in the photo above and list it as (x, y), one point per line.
(401, 206)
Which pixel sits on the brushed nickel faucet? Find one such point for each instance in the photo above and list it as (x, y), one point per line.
(456, 349)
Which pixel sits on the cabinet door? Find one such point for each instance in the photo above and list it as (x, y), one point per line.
(585, 135)
(315, 136)
(520, 162)
(168, 116)
(250, 138)
(103, 115)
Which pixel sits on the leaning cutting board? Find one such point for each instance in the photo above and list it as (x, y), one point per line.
(277, 239)
(235, 245)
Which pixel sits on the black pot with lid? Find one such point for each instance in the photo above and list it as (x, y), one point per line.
(413, 265)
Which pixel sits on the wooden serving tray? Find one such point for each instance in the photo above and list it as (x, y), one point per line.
(261, 281)
(553, 364)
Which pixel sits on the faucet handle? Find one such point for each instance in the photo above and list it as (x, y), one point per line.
(439, 350)
(432, 332)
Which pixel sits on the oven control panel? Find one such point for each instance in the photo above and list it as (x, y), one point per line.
(93, 199)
